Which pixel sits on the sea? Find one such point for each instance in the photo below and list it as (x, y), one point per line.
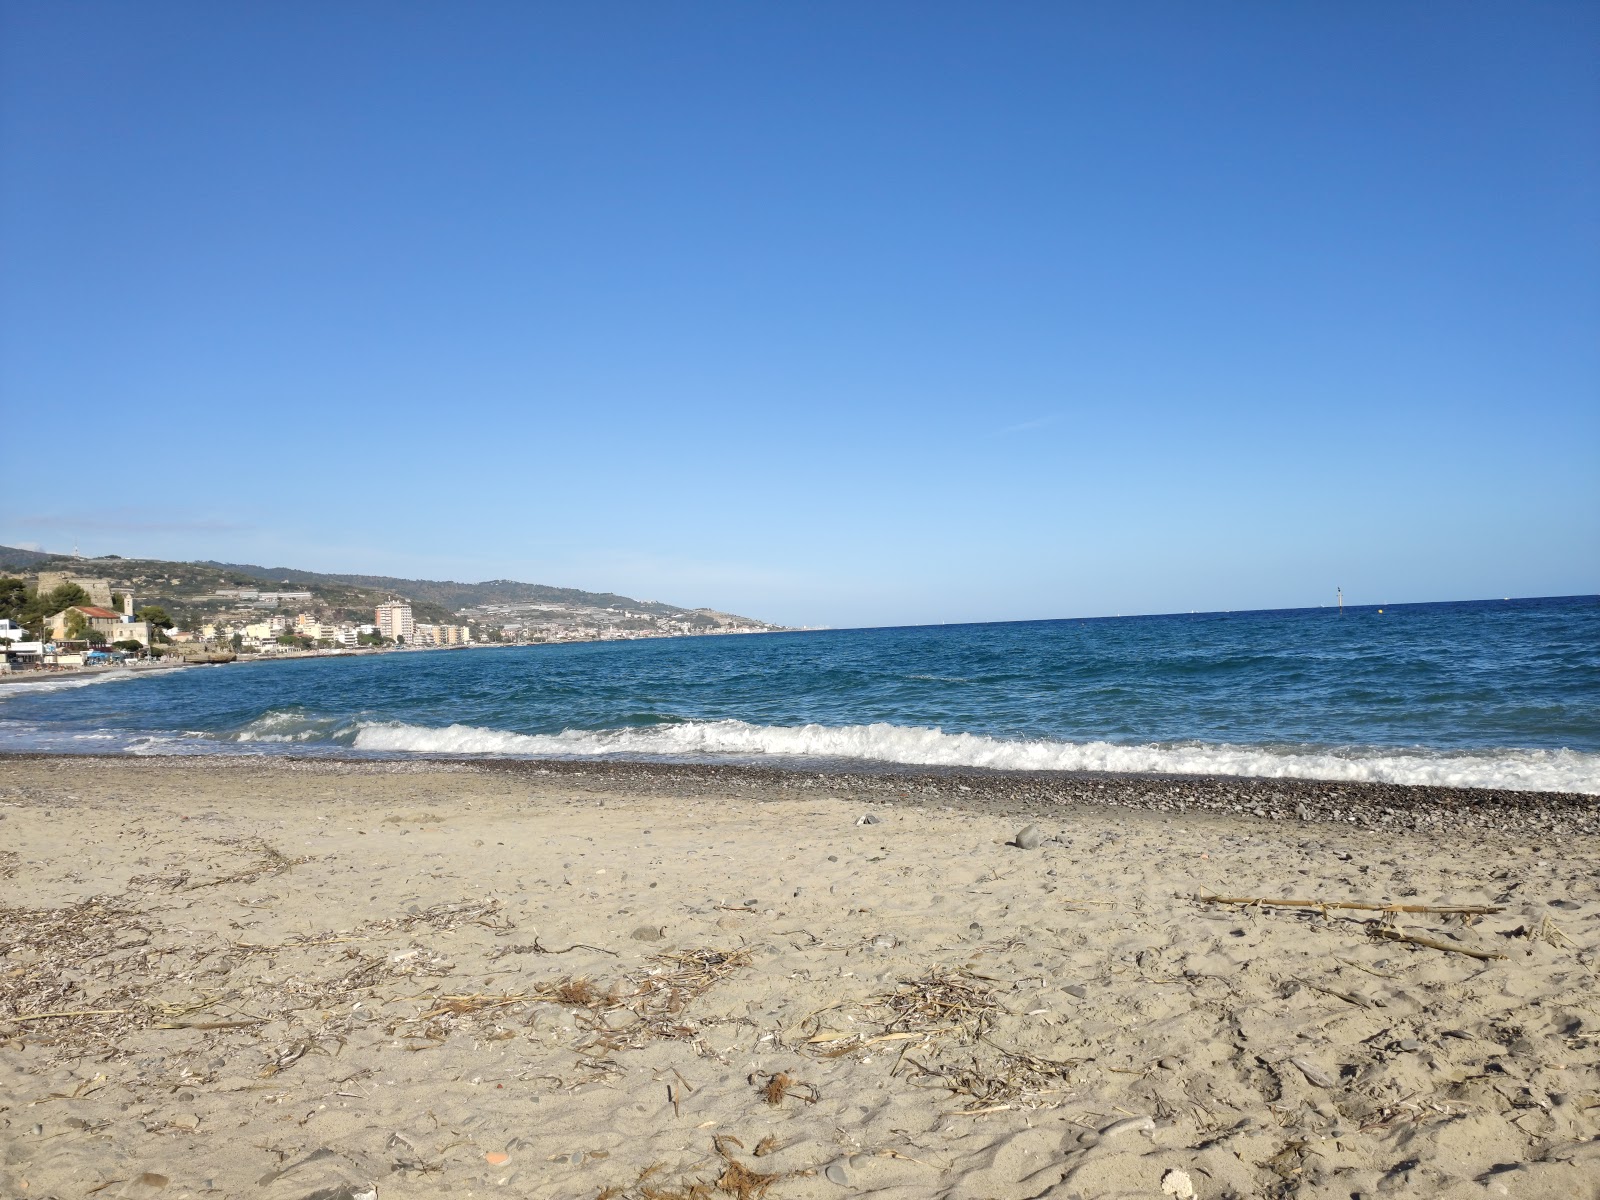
(1494, 694)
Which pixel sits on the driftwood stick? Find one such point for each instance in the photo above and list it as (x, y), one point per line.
(1478, 910)
(1394, 935)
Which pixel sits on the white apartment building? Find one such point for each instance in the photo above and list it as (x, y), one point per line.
(443, 635)
(265, 631)
(394, 621)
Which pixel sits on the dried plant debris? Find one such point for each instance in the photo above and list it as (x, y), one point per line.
(82, 978)
(778, 1087)
(946, 1001)
(654, 999)
(735, 1179)
(272, 862)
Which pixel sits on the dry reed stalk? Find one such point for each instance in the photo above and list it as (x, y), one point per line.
(1476, 910)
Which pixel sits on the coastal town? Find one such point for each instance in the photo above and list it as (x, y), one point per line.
(73, 617)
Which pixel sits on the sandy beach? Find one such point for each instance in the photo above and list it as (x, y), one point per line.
(301, 979)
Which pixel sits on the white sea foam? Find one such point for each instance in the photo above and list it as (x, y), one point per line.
(1520, 770)
(29, 687)
(277, 726)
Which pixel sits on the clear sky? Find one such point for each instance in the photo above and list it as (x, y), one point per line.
(826, 313)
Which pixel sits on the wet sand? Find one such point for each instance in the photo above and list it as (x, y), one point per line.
(296, 979)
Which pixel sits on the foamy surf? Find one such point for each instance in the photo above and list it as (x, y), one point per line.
(1515, 770)
(13, 690)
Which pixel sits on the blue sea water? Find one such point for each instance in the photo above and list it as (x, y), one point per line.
(1484, 693)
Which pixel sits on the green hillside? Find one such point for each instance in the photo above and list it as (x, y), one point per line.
(187, 589)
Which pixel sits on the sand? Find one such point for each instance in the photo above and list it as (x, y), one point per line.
(286, 979)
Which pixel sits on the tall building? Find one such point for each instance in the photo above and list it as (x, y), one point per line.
(394, 621)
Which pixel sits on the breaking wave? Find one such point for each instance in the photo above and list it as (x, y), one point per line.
(1516, 770)
(28, 687)
(295, 726)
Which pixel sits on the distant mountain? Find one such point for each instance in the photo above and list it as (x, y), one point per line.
(15, 558)
(454, 596)
(188, 589)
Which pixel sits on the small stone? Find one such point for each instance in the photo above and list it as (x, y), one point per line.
(1076, 989)
(152, 1180)
(1410, 1045)
(190, 1121)
(869, 819)
(1128, 1125)
(1027, 838)
(1177, 1184)
(1168, 1063)
(1315, 1075)
(835, 1173)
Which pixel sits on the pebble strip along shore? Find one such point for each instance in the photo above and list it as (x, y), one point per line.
(1037, 794)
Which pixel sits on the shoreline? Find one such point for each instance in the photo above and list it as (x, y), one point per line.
(1015, 794)
(305, 977)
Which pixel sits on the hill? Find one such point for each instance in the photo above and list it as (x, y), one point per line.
(456, 596)
(188, 590)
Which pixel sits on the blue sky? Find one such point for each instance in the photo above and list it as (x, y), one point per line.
(826, 313)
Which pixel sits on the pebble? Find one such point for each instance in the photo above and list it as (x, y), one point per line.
(1178, 1184)
(1076, 989)
(1315, 1075)
(1027, 838)
(1128, 1125)
(1409, 1044)
(1169, 1063)
(868, 819)
(648, 933)
(836, 1174)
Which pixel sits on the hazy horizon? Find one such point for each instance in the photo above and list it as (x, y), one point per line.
(690, 602)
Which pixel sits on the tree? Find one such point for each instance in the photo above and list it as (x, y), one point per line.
(237, 642)
(67, 595)
(13, 598)
(75, 626)
(94, 637)
(158, 620)
(128, 646)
